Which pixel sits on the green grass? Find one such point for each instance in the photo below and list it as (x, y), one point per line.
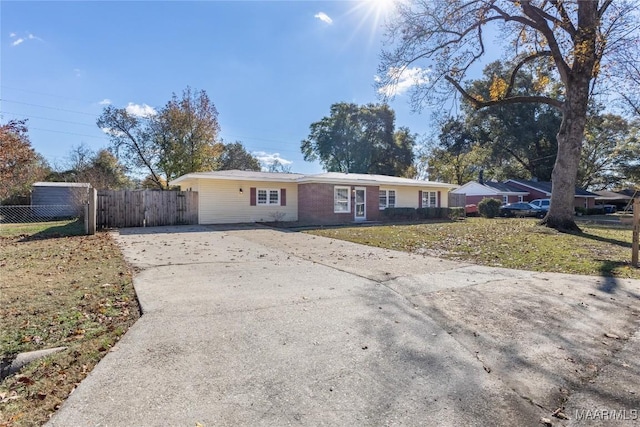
(510, 243)
(43, 229)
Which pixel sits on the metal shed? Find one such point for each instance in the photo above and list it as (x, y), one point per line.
(62, 199)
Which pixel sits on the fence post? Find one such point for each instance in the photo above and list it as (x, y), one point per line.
(636, 232)
(91, 217)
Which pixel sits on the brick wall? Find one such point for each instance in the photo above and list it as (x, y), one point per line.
(315, 205)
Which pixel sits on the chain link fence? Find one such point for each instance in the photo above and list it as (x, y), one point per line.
(39, 213)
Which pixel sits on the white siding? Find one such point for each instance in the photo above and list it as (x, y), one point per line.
(220, 202)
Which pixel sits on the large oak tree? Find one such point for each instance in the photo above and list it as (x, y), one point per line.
(360, 139)
(570, 39)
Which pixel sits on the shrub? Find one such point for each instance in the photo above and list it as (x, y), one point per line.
(428, 213)
(489, 208)
(400, 213)
(596, 211)
(581, 211)
(456, 213)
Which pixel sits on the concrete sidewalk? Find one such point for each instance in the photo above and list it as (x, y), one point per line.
(255, 326)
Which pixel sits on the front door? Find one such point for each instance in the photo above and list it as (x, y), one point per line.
(361, 204)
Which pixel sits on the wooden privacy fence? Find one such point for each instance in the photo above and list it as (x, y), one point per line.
(457, 200)
(148, 208)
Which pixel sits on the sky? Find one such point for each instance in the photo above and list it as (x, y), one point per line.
(270, 67)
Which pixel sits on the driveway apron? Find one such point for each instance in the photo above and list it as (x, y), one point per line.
(255, 326)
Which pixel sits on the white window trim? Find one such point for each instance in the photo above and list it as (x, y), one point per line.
(386, 198)
(335, 193)
(520, 198)
(268, 203)
(426, 197)
(505, 199)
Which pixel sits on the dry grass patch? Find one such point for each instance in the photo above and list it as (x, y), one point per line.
(56, 291)
(510, 242)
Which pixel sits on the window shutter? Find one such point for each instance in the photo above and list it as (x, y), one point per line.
(283, 197)
(420, 199)
(439, 199)
(252, 196)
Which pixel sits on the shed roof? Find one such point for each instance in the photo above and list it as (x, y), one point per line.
(62, 184)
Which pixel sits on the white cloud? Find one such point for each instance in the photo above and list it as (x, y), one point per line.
(404, 79)
(77, 72)
(268, 159)
(112, 132)
(140, 110)
(20, 40)
(323, 17)
(105, 101)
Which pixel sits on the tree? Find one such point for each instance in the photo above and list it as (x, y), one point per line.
(185, 132)
(569, 41)
(456, 158)
(521, 137)
(100, 169)
(179, 139)
(235, 156)
(278, 167)
(360, 139)
(610, 150)
(20, 165)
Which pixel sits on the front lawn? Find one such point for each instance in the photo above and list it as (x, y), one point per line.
(510, 243)
(57, 289)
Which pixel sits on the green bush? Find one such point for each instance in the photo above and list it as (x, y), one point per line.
(456, 213)
(400, 213)
(429, 213)
(581, 211)
(596, 211)
(489, 208)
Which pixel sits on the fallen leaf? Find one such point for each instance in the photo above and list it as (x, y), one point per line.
(614, 336)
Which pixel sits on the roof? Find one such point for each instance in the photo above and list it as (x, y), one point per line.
(474, 188)
(612, 195)
(363, 179)
(505, 188)
(545, 187)
(238, 175)
(329, 177)
(62, 184)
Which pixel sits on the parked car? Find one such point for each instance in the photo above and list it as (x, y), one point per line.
(522, 209)
(541, 203)
(471, 210)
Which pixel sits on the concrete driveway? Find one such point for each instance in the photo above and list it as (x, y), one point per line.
(255, 326)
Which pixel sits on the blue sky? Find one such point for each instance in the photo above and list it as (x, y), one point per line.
(271, 67)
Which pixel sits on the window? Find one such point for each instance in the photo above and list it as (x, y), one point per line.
(505, 199)
(387, 199)
(267, 196)
(520, 199)
(429, 199)
(341, 199)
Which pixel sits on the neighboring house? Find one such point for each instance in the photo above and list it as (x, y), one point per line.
(476, 191)
(329, 198)
(619, 199)
(542, 190)
(65, 196)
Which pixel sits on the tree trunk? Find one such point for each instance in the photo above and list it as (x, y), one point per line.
(565, 171)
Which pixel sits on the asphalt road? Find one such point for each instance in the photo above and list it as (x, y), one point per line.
(254, 326)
